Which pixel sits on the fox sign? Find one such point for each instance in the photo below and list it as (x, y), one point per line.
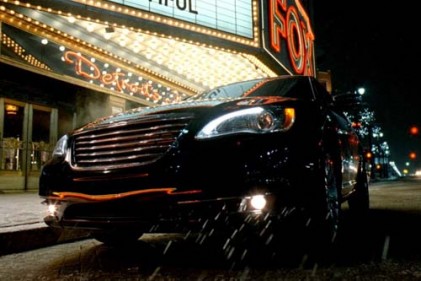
(288, 36)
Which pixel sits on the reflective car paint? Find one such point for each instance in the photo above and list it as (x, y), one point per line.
(129, 172)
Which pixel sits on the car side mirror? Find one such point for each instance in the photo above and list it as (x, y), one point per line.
(348, 101)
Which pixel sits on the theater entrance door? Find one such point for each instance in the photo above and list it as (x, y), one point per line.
(28, 133)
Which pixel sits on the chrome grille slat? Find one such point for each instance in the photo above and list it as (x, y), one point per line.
(156, 129)
(121, 145)
(126, 144)
(147, 136)
(115, 159)
(125, 151)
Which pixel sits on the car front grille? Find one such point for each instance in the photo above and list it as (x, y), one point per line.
(127, 144)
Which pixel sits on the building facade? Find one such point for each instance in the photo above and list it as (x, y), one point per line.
(64, 63)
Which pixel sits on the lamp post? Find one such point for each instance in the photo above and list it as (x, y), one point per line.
(364, 118)
(385, 158)
(414, 140)
(377, 135)
(370, 145)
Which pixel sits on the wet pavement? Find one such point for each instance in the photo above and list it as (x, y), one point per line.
(22, 226)
(21, 211)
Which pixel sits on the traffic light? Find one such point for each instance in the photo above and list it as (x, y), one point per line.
(412, 155)
(414, 131)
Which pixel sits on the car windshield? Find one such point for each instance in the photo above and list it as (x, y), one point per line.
(284, 87)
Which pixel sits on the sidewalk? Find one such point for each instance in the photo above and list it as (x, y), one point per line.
(22, 227)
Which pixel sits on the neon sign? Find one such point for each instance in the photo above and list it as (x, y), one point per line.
(21, 44)
(290, 36)
(118, 80)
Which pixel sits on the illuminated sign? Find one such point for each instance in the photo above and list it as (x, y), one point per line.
(231, 16)
(28, 48)
(289, 38)
(104, 75)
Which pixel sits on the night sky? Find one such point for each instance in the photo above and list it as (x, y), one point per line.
(375, 47)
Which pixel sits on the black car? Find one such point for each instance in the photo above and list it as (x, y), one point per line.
(273, 148)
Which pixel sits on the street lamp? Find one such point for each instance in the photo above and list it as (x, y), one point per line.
(361, 91)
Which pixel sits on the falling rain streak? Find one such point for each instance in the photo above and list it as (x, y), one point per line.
(385, 247)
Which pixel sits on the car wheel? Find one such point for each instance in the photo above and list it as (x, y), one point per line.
(325, 210)
(328, 214)
(116, 238)
(332, 195)
(359, 202)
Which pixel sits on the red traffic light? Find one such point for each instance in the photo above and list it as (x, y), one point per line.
(414, 130)
(412, 155)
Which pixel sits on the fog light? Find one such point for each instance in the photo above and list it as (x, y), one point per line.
(258, 202)
(52, 209)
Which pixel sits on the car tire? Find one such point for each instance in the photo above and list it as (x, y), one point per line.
(333, 208)
(326, 209)
(116, 238)
(329, 207)
(359, 202)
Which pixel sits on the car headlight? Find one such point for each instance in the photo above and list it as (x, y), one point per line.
(256, 120)
(61, 147)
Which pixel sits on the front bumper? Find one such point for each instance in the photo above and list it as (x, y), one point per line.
(151, 213)
(192, 184)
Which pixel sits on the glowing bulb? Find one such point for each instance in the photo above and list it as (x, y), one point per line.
(52, 209)
(258, 202)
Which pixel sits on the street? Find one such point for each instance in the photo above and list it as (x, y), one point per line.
(386, 247)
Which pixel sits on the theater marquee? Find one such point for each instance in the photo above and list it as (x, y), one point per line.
(234, 16)
(158, 51)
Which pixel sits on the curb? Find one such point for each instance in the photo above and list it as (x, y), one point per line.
(30, 239)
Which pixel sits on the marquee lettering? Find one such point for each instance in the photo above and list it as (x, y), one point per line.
(277, 23)
(79, 61)
(182, 5)
(87, 69)
(291, 23)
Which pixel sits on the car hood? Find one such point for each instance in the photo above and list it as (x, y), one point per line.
(183, 107)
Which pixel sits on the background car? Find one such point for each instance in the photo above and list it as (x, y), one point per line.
(273, 150)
